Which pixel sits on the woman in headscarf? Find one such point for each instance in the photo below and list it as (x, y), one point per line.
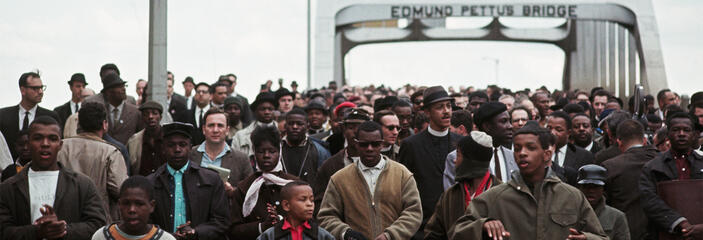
(473, 157)
(256, 204)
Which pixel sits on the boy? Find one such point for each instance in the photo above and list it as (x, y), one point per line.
(298, 201)
(136, 203)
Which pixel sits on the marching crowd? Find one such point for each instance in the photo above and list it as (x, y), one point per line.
(344, 162)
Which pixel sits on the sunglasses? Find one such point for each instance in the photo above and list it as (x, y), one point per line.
(37, 88)
(392, 127)
(367, 144)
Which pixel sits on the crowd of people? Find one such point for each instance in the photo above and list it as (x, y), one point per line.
(352, 163)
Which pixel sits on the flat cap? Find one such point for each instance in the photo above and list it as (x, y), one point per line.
(151, 104)
(185, 129)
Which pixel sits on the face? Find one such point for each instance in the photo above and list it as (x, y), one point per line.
(530, 157)
(176, 149)
(44, 143)
(369, 146)
(285, 103)
(681, 134)
(264, 112)
(202, 95)
(299, 101)
(266, 155)
(599, 103)
(296, 127)
(698, 112)
(542, 103)
(440, 114)
(476, 102)
(33, 92)
(301, 204)
(528, 104)
(581, 131)
(151, 118)
(461, 101)
(612, 105)
(350, 131)
(418, 104)
(582, 98)
(391, 128)
(135, 209)
(77, 89)
(500, 128)
(509, 102)
(654, 126)
(519, 119)
(169, 87)
(118, 93)
(669, 98)
(662, 145)
(215, 128)
(234, 112)
(405, 116)
(22, 147)
(188, 87)
(220, 95)
(316, 118)
(140, 87)
(593, 193)
(558, 128)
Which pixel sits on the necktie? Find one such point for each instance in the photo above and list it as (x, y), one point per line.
(115, 117)
(200, 118)
(77, 108)
(556, 158)
(499, 175)
(25, 122)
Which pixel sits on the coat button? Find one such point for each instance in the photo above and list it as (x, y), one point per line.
(518, 187)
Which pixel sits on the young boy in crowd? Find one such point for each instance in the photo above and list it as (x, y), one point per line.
(298, 202)
(136, 203)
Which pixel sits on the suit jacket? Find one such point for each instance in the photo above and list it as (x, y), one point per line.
(130, 123)
(63, 111)
(10, 124)
(236, 161)
(510, 165)
(177, 108)
(607, 153)
(574, 159)
(197, 137)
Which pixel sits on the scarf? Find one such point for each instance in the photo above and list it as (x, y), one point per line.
(485, 185)
(252, 195)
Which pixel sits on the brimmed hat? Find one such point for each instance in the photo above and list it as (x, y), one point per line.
(435, 94)
(284, 92)
(264, 97)
(488, 111)
(233, 100)
(316, 105)
(185, 129)
(189, 79)
(77, 77)
(357, 115)
(592, 174)
(112, 80)
(151, 104)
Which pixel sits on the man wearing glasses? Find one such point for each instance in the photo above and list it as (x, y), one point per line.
(15, 118)
(391, 127)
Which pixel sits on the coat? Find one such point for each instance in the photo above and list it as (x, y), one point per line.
(613, 221)
(103, 164)
(10, 124)
(621, 186)
(547, 214)
(77, 202)
(574, 159)
(663, 168)
(237, 163)
(607, 153)
(198, 137)
(394, 209)
(130, 123)
(63, 111)
(313, 158)
(315, 232)
(242, 139)
(324, 173)
(207, 207)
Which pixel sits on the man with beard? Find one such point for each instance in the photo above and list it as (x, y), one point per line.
(566, 155)
(233, 109)
(582, 133)
(591, 179)
(263, 108)
(301, 155)
(424, 154)
(145, 146)
(404, 111)
(493, 119)
(390, 126)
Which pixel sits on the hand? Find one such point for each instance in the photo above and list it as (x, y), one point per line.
(229, 190)
(353, 235)
(382, 236)
(271, 218)
(47, 213)
(49, 225)
(692, 231)
(185, 231)
(495, 230)
(575, 234)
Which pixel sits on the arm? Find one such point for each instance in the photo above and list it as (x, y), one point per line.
(219, 216)
(331, 213)
(408, 222)
(92, 213)
(470, 226)
(9, 226)
(117, 173)
(654, 207)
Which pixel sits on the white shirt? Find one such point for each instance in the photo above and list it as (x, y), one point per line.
(32, 114)
(119, 111)
(437, 133)
(505, 175)
(561, 152)
(189, 102)
(371, 173)
(73, 106)
(588, 148)
(42, 190)
(197, 113)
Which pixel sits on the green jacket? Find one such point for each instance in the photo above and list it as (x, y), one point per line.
(548, 213)
(613, 221)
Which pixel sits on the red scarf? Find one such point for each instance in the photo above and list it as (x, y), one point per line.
(485, 185)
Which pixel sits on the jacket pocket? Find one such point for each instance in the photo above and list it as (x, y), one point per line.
(564, 219)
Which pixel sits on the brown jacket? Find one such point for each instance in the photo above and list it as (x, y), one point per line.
(547, 214)
(101, 162)
(236, 161)
(395, 209)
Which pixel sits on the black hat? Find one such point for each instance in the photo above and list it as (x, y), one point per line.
(696, 97)
(294, 84)
(112, 80)
(383, 103)
(476, 151)
(188, 79)
(488, 111)
(281, 92)
(357, 115)
(316, 95)
(592, 174)
(559, 104)
(77, 77)
(233, 100)
(151, 104)
(435, 94)
(185, 129)
(264, 97)
(316, 105)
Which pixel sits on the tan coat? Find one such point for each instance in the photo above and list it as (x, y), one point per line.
(134, 146)
(101, 162)
(242, 139)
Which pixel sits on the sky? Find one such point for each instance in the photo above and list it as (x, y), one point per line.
(262, 40)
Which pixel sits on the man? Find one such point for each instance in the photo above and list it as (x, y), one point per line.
(679, 163)
(231, 81)
(390, 126)
(46, 200)
(202, 100)
(541, 101)
(624, 173)
(460, 100)
(566, 155)
(525, 206)
(375, 179)
(599, 101)
(215, 152)
(76, 85)
(176, 102)
(519, 116)
(140, 88)
(218, 92)
(22, 147)
(334, 137)
(190, 201)
(508, 100)
(188, 87)
(145, 146)
(404, 111)
(107, 69)
(591, 179)
(476, 100)
(16, 118)
(263, 108)
(101, 161)
(301, 155)
(493, 119)
(581, 133)
(461, 124)
(611, 126)
(123, 117)
(417, 100)
(317, 117)
(233, 109)
(285, 100)
(665, 97)
(424, 154)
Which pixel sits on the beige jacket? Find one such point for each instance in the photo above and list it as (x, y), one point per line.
(102, 162)
(242, 139)
(134, 147)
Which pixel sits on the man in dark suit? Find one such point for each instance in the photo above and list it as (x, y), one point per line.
(124, 118)
(566, 155)
(582, 133)
(176, 102)
(15, 118)
(194, 115)
(76, 84)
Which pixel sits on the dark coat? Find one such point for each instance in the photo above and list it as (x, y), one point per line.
(197, 137)
(663, 168)
(613, 221)
(315, 155)
(177, 107)
(607, 153)
(621, 186)
(574, 159)
(10, 124)
(595, 148)
(207, 206)
(130, 123)
(324, 173)
(76, 202)
(314, 233)
(237, 162)
(63, 111)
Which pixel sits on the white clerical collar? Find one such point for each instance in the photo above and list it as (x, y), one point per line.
(437, 133)
(589, 146)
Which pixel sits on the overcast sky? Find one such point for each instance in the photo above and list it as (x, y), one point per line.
(260, 40)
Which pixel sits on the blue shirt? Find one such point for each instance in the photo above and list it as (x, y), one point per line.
(206, 161)
(179, 200)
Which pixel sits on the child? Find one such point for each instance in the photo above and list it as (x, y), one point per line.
(298, 202)
(136, 203)
(25, 156)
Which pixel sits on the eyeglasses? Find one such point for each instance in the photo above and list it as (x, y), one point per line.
(367, 144)
(202, 91)
(392, 127)
(36, 88)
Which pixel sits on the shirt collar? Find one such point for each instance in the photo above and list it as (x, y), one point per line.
(119, 107)
(201, 149)
(589, 146)
(207, 107)
(379, 165)
(174, 171)
(287, 225)
(31, 111)
(563, 148)
(437, 133)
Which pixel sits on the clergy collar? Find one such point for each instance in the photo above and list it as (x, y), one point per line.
(437, 133)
